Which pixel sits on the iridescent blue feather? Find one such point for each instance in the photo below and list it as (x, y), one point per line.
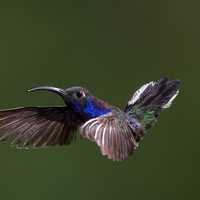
(94, 109)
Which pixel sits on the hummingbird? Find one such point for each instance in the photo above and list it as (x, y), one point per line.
(116, 131)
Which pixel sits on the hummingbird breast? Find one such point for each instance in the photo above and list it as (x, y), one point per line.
(95, 107)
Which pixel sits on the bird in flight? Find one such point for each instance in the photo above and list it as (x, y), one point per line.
(117, 132)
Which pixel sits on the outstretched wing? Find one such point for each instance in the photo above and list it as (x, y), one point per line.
(112, 133)
(38, 126)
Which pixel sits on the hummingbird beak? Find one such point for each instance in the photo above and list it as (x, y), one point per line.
(58, 91)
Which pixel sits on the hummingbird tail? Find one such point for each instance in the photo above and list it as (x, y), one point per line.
(151, 99)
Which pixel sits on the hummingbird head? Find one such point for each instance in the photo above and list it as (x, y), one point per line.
(79, 100)
(75, 97)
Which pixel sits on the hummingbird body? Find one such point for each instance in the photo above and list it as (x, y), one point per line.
(117, 132)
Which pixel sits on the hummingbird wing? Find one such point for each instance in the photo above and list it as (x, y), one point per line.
(112, 133)
(38, 126)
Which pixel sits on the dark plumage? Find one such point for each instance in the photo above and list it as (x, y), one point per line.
(116, 132)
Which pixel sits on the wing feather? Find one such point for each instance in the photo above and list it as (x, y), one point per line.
(38, 126)
(112, 134)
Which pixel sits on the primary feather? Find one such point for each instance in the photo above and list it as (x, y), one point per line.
(113, 134)
(38, 126)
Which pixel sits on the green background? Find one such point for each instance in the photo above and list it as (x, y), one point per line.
(112, 48)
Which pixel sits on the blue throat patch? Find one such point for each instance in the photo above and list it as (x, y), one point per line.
(93, 110)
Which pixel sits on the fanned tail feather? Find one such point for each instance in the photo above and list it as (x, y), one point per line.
(152, 98)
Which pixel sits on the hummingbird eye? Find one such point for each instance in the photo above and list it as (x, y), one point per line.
(80, 94)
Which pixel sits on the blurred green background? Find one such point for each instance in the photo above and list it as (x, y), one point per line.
(112, 48)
